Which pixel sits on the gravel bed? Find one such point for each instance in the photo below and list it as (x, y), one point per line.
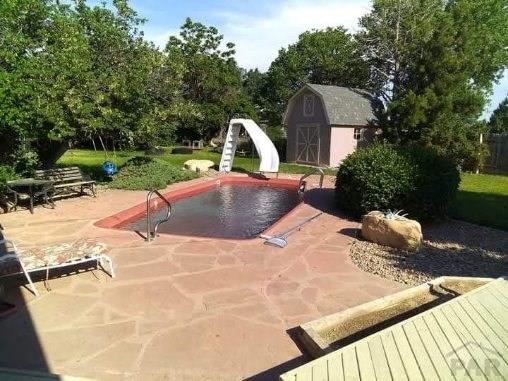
(453, 248)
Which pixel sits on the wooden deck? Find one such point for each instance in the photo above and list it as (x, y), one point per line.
(463, 339)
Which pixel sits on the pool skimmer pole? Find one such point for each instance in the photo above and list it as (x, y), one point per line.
(280, 240)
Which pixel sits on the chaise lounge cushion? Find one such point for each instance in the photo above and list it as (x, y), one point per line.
(35, 258)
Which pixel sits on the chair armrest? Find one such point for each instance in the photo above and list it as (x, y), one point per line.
(8, 190)
(86, 177)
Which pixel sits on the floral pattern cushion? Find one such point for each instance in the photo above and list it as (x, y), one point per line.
(34, 258)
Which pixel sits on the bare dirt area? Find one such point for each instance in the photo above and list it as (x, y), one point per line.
(450, 247)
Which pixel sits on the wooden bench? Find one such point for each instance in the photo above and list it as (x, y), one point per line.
(67, 179)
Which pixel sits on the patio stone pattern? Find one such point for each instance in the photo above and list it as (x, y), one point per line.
(181, 308)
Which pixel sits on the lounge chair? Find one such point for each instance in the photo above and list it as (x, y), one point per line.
(16, 261)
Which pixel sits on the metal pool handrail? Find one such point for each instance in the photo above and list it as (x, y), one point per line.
(149, 233)
(301, 187)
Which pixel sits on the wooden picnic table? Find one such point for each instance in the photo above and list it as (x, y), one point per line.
(33, 188)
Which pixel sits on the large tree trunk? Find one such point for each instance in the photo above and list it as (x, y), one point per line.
(51, 151)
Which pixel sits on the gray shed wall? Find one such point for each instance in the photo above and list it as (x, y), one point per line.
(296, 118)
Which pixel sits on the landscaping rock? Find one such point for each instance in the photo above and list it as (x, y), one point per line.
(198, 165)
(454, 248)
(400, 232)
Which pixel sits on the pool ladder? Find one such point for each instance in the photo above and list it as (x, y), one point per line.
(150, 235)
(301, 185)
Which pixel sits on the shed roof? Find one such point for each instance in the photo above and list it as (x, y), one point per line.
(344, 106)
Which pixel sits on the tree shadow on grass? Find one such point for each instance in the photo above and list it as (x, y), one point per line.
(482, 208)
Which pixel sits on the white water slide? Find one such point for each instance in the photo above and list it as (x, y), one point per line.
(266, 150)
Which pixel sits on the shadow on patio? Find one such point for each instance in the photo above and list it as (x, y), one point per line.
(20, 346)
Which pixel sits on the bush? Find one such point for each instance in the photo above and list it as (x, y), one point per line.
(182, 151)
(383, 177)
(374, 178)
(7, 173)
(145, 173)
(155, 151)
(436, 181)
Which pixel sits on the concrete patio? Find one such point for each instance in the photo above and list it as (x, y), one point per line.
(181, 308)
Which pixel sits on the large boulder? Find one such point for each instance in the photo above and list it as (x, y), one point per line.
(198, 165)
(399, 232)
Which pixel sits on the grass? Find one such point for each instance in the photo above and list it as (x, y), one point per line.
(483, 200)
(90, 161)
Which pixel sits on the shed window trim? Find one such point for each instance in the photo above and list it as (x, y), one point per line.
(358, 134)
(308, 105)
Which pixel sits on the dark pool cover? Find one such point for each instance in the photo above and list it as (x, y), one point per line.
(227, 211)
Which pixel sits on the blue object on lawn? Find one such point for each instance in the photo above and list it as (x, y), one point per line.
(109, 168)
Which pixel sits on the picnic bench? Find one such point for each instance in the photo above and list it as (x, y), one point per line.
(67, 179)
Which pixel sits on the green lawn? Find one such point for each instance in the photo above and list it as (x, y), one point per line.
(90, 161)
(482, 199)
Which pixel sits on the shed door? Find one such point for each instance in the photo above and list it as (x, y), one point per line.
(307, 144)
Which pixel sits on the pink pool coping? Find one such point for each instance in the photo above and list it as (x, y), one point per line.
(120, 219)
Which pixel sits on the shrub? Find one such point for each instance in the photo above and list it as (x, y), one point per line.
(145, 173)
(384, 177)
(374, 178)
(435, 182)
(182, 151)
(6, 173)
(155, 151)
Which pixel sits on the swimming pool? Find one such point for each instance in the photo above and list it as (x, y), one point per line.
(229, 207)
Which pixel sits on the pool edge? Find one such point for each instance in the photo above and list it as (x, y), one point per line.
(117, 220)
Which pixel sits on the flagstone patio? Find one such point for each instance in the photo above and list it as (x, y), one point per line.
(181, 308)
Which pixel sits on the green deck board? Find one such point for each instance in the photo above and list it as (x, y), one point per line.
(350, 364)
(410, 364)
(377, 353)
(393, 357)
(490, 336)
(438, 361)
(418, 348)
(365, 361)
(465, 338)
(487, 346)
(473, 347)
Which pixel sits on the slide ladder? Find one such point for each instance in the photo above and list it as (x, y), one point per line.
(269, 158)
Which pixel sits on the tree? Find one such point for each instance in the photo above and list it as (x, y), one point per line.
(69, 71)
(498, 123)
(40, 50)
(327, 57)
(254, 84)
(434, 62)
(211, 80)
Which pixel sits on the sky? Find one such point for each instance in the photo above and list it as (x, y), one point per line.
(259, 28)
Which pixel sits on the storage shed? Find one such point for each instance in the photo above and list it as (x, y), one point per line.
(324, 124)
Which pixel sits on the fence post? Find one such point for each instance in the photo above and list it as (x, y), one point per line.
(480, 153)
